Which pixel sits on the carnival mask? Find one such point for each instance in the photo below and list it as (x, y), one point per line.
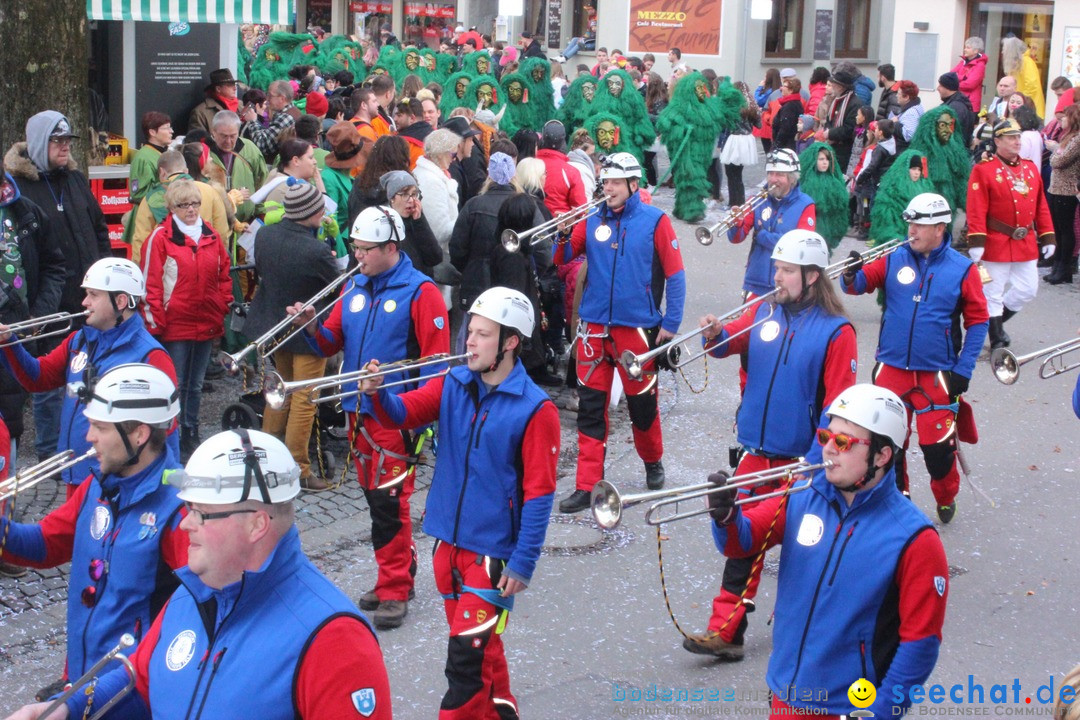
(460, 86)
(538, 73)
(588, 91)
(700, 90)
(486, 95)
(483, 65)
(412, 60)
(605, 134)
(515, 91)
(615, 85)
(944, 127)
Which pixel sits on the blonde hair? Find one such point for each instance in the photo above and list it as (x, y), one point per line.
(1068, 710)
(530, 173)
(1012, 54)
(181, 191)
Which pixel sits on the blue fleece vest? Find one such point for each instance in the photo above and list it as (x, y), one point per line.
(236, 652)
(771, 221)
(781, 406)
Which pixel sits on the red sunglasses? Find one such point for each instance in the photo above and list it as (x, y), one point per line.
(843, 442)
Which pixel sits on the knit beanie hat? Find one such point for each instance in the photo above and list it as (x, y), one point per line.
(302, 200)
(501, 168)
(949, 81)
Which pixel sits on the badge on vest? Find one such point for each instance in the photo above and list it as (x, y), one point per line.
(390, 306)
(78, 363)
(439, 323)
(602, 234)
(99, 524)
(905, 276)
(180, 651)
(810, 531)
(939, 585)
(148, 523)
(364, 701)
(769, 331)
(766, 214)
(357, 303)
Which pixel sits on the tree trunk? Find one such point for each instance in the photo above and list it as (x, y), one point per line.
(45, 50)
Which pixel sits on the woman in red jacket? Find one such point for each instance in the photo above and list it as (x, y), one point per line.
(188, 291)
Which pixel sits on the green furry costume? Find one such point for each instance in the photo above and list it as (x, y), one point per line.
(279, 53)
(337, 53)
(577, 106)
(399, 70)
(541, 93)
(895, 191)
(950, 163)
(470, 64)
(473, 93)
(829, 192)
(638, 132)
(689, 127)
(450, 101)
(519, 114)
(620, 144)
(435, 67)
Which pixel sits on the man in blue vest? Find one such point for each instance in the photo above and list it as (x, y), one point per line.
(391, 312)
(923, 354)
(801, 355)
(863, 578)
(254, 630)
(120, 529)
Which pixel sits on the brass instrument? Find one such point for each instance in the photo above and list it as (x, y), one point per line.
(36, 325)
(839, 268)
(733, 218)
(31, 476)
(1006, 364)
(89, 679)
(608, 504)
(276, 390)
(549, 230)
(232, 361)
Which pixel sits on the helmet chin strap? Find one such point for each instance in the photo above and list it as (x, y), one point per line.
(134, 453)
(871, 469)
(119, 321)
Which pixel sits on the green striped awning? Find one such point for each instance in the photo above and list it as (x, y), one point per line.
(271, 12)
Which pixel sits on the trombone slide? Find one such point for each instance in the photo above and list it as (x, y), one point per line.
(31, 476)
(512, 240)
(36, 325)
(89, 678)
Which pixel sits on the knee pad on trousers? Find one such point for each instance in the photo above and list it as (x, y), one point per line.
(642, 409)
(385, 521)
(736, 574)
(464, 669)
(591, 404)
(939, 458)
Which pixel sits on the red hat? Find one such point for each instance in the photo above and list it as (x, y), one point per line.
(1067, 98)
(317, 104)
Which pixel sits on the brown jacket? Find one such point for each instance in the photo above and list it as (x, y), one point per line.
(203, 113)
(1065, 168)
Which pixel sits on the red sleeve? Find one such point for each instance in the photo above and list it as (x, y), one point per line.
(576, 243)
(922, 571)
(741, 343)
(430, 323)
(47, 372)
(841, 364)
(329, 336)
(540, 452)
(153, 268)
(145, 650)
(978, 204)
(174, 543)
(58, 528)
(163, 362)
(808, 221)
(421, 405)
(874, 273)
(667, 247)
(758, 518)
(738, 234)
(343, 672)
(973, 302)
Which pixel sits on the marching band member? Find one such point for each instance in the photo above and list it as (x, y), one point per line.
(251, 609)
(926, 285)
(1008, 227)
(119, 529)
(797, 364)
(390, 312)
(491, 494)
(632, 252)
(863, 577)
(114, 334)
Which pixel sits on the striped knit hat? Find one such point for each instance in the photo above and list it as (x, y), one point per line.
(302, 200)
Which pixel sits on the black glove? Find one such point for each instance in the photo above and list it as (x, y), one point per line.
(722, 503)
(958, 384)
(856, 266)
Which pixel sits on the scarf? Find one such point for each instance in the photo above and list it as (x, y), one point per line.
(229, 103)
(838, 109)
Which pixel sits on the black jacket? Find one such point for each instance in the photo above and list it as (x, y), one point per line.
(842, 131)
(785, 124)
(889, 104)
(470, 173)
(533, 49)
(420, 243)
(78, 230)
(965, 116)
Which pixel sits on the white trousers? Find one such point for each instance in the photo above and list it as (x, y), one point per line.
(1012, 285)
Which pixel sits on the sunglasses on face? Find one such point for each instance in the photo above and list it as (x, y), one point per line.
(843, 442)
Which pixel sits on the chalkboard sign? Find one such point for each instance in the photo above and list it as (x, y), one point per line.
(823, 35)
(172, 65)
(554, 23)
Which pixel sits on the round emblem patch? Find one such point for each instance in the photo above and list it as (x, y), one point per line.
(769, 331)
(390, 306)
(181, 650)
(810, 531)
(766, 214)
(99, 524)
(78, 363)
(603, 233)
(357, 303)
(905, 276)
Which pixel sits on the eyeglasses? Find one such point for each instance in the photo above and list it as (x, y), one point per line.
(201, 517)
(362, 251)
(188, 205)
(410, 195)
(97, 570)
(60, 141)
(842, 441)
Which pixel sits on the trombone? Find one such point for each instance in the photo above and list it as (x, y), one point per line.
(232, 361)
(731, 219)
(36, 325)
(276, 390)
(608, 504)
(1006, 364)
(89, 679)
(887, 248)
(546, 231)
(31, 476)
(634, 364)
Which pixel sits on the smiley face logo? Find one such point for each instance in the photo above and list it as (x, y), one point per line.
(862, 693)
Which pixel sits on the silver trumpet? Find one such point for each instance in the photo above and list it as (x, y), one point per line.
(89, 679)
(31, 476)
(549, 230)
(733, 218)
(1006, 364)
(232, 361)
(276, 390)
(34, 326)
(887, 248)
(608, 504)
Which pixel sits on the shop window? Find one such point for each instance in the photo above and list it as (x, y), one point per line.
(365, 18)
(1032, 22)
(783, 33)
(318, 14)
(852, 28)
(428, 24)
(585, 20)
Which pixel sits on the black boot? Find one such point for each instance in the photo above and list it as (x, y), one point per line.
(1006, 314)
(1060, 274)
(998, 338)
